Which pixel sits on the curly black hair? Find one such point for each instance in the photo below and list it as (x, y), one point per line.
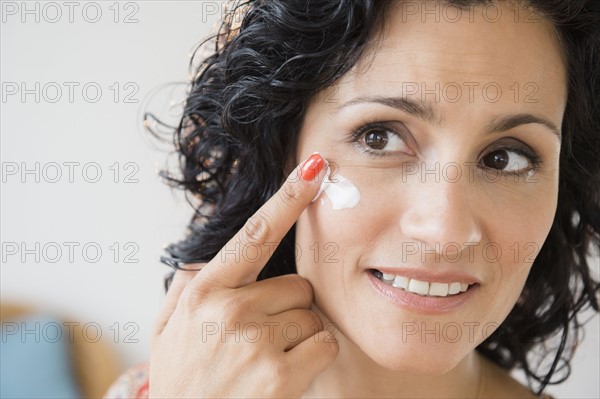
(247, 99)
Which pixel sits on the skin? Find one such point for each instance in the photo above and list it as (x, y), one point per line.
(366, 355)
(399, 208)
(221, 333)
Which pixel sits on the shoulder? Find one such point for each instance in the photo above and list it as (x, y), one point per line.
(497, 383)
(133, 383)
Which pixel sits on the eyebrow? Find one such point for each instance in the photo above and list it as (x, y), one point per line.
(426, 112)
(419, 109)
(505, 123)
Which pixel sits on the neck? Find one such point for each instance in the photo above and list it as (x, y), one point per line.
(354, 374)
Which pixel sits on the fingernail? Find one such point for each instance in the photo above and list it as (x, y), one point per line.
(323, 182)
(311, 168)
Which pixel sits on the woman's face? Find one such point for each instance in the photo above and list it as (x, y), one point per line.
(449, 134)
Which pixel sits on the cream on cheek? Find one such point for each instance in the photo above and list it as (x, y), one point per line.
(342, 192)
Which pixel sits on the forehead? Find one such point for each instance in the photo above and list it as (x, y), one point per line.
(432, 57)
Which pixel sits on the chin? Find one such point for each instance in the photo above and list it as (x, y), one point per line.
(414, 356)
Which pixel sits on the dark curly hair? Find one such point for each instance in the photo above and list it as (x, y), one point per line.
(247, 99)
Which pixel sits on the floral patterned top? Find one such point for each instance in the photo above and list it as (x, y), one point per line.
(132, 384)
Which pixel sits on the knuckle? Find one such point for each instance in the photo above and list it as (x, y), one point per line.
(188, 299)
(278, 377)
(304, 286)
(315, 320)
(195, 292)
(236, 308)
(332, 347)
(282, 371)
(256, 229)
(291, 195)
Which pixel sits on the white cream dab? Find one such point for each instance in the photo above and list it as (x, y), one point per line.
(342, 193)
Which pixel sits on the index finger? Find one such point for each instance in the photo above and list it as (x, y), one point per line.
(240, 261)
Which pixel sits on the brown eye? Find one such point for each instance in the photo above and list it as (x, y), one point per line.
(496, 159)
(506, 160)
(377, 140)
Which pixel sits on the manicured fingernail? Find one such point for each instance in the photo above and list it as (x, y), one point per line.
(311, 168)
(323, 182)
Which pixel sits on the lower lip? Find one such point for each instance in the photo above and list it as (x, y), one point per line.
(422, 304)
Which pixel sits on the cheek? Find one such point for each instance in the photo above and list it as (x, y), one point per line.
(331, 243)
(325, 236)
(331, 232)
(339, 225)
(516, 228)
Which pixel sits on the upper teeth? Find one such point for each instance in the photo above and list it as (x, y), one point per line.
(424, 287)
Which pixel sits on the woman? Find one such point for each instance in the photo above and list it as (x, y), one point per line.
(437, 228)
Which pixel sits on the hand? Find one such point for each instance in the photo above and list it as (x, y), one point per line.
(223, 334)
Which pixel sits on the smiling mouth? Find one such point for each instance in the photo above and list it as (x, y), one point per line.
(422, 288)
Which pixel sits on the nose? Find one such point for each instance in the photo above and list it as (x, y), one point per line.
(441, 216)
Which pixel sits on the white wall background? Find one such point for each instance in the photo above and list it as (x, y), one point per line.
(132, 208)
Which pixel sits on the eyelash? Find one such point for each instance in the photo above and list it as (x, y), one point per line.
(358, 132)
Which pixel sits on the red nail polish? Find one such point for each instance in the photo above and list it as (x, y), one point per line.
(312, 167)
